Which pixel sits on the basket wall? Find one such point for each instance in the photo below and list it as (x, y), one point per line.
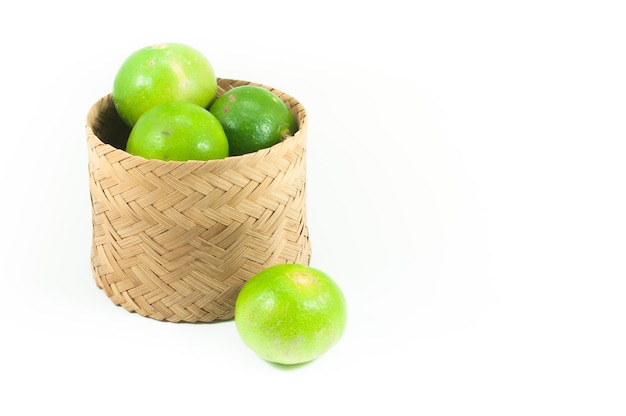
(175, 241)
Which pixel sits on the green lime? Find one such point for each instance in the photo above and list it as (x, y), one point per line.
(160, 73)
(178, 130)
(253, 118)
(290, 313)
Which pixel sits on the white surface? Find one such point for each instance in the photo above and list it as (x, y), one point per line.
(466, 185)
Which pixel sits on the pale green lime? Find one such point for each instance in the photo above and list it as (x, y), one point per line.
(178, 130)
(290, 313)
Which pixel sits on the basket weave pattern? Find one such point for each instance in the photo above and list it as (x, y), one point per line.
(175, 241)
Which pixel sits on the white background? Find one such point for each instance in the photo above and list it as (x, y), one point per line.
(466, 183)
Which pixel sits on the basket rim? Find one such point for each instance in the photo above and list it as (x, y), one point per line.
(295, 106)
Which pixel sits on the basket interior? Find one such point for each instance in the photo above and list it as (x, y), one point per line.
(108, 126)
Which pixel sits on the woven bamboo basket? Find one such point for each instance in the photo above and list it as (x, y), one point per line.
(176, 241)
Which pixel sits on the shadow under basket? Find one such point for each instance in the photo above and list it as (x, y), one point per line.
(176, 241)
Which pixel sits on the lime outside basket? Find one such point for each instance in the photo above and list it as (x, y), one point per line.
(176, 241)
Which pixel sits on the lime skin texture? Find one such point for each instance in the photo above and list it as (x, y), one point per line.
(178, 130)
(290, 314)
(253, 118)
(161, 73)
